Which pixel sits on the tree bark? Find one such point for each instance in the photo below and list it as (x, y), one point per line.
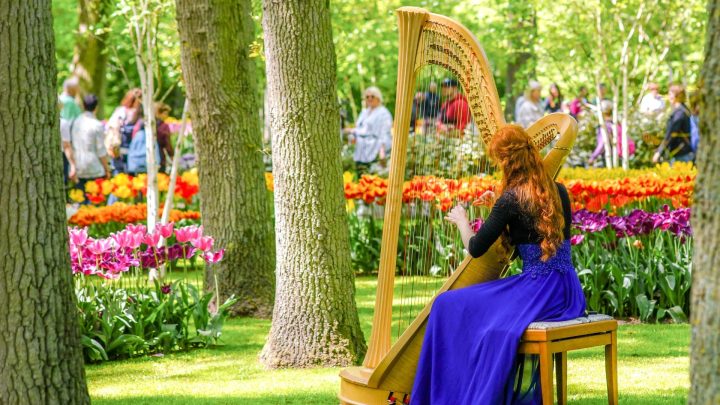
(225, 108)
(40, 356)
(90, 60)
(315, 320)
(522, 25)
(705, 313)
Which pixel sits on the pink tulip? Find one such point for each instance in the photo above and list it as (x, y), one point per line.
(127, 239)
(139, 228)
(165, 230)
(214, 257)
(78, 236)
(183, 234)
(99, 246)
(152, 239)
(188, 233)
(204, 243)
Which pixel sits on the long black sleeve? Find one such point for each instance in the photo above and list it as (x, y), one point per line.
(508, 214)
(493, 226)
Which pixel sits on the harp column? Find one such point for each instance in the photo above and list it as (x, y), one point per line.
(410, 23)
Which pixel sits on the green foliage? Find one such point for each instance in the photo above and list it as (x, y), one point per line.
(559, 35)
(118, 323)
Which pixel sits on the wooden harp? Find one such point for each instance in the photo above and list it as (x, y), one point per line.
(428, 39)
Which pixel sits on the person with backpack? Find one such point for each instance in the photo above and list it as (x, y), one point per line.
(677, 135)
(83, 143)
(120, 127)
(694, 123)
(137, 149)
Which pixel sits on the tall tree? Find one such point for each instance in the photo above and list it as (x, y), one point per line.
(90, 59)
(705, 351)
(315, 320)
(40, 357)
(224, 104)
(521, 31)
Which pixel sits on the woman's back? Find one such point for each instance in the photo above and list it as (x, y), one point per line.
(508, 214)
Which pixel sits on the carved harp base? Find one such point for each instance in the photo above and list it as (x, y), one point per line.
(355, 391)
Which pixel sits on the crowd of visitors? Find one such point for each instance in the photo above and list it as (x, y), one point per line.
(92, 149)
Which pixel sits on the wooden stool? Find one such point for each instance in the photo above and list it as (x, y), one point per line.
(554, 339)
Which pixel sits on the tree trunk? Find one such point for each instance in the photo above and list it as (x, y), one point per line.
(315, 320)
(225, 108)
(90, 60)
(521, 36)
(40, 356)
(705, 321)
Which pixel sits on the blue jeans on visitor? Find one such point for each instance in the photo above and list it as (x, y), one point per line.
(688, 157)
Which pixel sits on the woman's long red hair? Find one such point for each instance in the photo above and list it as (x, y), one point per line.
(524, 173)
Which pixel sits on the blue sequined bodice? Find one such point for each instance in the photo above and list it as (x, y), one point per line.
(533, 266)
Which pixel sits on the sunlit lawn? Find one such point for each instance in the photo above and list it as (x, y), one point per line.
(653, 369)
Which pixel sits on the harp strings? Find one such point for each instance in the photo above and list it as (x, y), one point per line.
(431, 246)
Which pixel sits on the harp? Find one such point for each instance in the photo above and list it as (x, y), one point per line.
(431, 47)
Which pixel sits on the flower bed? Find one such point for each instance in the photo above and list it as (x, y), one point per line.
(128, 188)
(121, 315)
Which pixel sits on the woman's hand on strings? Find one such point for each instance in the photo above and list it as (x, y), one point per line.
(458, 216)
(485, 199)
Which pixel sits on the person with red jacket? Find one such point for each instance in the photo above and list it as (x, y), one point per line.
(455, 111)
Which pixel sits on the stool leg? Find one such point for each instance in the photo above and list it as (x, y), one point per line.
(611, 369)
(561, 377)
(546, 374)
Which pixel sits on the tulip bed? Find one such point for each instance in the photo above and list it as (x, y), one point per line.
(122, 314)
(631, 231)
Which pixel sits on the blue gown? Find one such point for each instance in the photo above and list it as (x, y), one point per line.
(469, 354)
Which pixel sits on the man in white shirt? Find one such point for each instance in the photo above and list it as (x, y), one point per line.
(83, 144)
(531, 108)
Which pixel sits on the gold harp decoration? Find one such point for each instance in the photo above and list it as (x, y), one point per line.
(431, 39)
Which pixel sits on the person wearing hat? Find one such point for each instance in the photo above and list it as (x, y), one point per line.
(606, 107)
(531, 108)
(372, 132)
(83, 143)
(455, 111)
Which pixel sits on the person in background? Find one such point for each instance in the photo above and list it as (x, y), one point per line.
(652, 103)
(531, 108)
(119, 128)
(68, 99)
(137, 150)
(455, 112)
(694, 122)
(162, 113)
(607, 109)
(431, 106)
(417, 111)
(372, 132)
(579, 102)
(677, 133)
(83, 143)
(553, 103)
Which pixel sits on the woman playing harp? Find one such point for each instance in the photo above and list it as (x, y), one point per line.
(469, 354)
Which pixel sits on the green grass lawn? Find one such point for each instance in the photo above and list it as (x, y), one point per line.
(653, 369)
